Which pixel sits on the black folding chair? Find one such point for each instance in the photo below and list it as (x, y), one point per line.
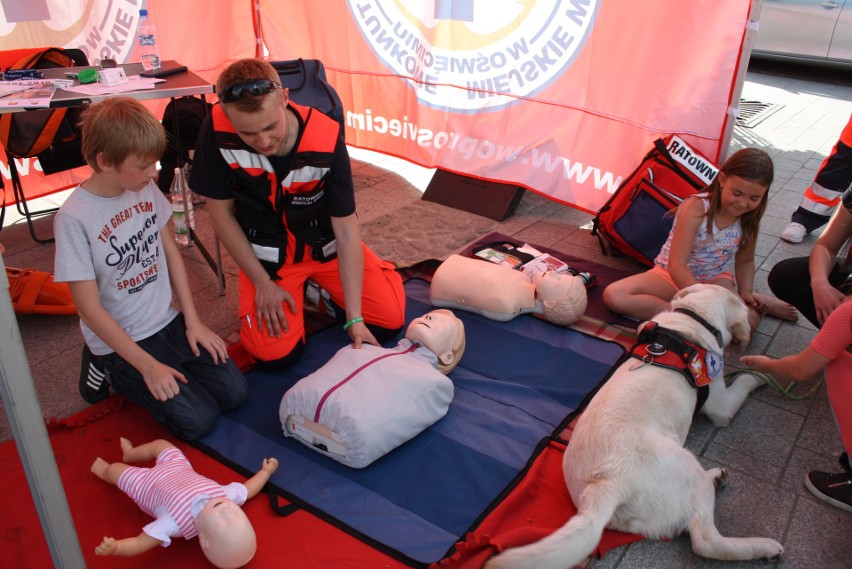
(306, 80)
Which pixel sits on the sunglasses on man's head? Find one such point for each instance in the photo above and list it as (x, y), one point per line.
(253, 87)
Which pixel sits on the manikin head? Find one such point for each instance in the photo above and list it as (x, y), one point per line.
(225, 534)
(442, 333)
(563, 296)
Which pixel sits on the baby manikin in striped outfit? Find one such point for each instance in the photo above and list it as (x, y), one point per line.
(183, 503)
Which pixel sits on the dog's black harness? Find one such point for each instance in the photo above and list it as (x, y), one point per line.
(666, 348)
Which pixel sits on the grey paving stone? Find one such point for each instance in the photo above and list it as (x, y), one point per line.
(818, 537)
(790, 340)
(760, 431)
(772, 396)
(819, 433)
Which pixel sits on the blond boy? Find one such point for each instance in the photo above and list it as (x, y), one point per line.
(123, 275)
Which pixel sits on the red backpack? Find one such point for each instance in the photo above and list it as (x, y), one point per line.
(634, 221)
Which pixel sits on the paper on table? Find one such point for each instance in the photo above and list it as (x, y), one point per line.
(33, 93)
(134, 83)
(9, 87)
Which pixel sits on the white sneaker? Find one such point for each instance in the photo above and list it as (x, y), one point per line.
(794, 233)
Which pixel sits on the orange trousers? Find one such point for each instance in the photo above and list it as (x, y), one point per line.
(382, 302)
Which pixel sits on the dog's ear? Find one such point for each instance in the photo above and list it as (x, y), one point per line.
(737, 314)
(686, 291)
(741, 332)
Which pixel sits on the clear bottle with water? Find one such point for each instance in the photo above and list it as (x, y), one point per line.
(183, 215)
(148, 42)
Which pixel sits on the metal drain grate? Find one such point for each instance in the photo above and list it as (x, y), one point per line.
(753, 112)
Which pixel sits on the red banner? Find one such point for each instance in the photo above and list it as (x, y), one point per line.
(561, 97)
(34, 182)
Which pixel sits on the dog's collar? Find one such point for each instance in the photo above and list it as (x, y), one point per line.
(720, 341)
(663, 347)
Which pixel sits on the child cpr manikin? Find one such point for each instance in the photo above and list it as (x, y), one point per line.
(365, 402)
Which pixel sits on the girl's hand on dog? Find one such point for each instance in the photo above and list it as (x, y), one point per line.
(758, 363)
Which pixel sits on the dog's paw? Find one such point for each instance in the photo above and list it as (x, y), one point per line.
(718, 420)
(720, 477)
(767, 548)
(749, 381)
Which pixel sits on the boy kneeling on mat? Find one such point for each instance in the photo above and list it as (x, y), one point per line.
(123, 276)
(184, 503)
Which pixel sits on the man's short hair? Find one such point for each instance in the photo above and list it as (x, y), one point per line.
(120, 127)
(242, 71)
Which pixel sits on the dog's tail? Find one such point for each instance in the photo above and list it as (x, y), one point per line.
(570, 544)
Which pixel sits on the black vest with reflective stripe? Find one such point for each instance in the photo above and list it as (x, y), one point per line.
(284, 214)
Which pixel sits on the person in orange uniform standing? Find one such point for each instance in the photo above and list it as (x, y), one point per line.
(822, 196)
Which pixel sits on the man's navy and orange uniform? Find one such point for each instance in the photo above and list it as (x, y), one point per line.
(284, 205)
(832, 179)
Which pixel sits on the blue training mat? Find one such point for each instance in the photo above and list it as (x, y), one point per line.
(516, 384)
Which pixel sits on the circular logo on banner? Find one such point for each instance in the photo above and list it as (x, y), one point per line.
(467, 55)
(100, 28)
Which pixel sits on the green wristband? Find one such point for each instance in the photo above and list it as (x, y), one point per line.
(355, 320)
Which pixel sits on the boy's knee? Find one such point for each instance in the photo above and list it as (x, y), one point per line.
(387, 324)
(266, 348)
(191, 428)
(237, 390)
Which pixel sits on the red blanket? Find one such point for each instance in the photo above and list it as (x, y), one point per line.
(298, 541)
(538, 506)
(534, 509)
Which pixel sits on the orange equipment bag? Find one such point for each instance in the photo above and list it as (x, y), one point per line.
(35, 292)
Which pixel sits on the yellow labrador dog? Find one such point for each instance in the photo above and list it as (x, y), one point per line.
(626, 467)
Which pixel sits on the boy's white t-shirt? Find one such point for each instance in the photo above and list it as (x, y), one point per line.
(117, 242)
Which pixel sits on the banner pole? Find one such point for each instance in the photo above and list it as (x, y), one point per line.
(739, 81)
(27, 424)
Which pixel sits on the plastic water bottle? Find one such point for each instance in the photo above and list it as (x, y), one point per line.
(183, 215)
(148, 42)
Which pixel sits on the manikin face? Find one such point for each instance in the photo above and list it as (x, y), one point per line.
(436, 330)
(221, 511)
(551, 285)
(267, 129)
(225, 533)
(562, 295)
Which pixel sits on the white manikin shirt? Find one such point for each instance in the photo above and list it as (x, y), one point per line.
(374, 399)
